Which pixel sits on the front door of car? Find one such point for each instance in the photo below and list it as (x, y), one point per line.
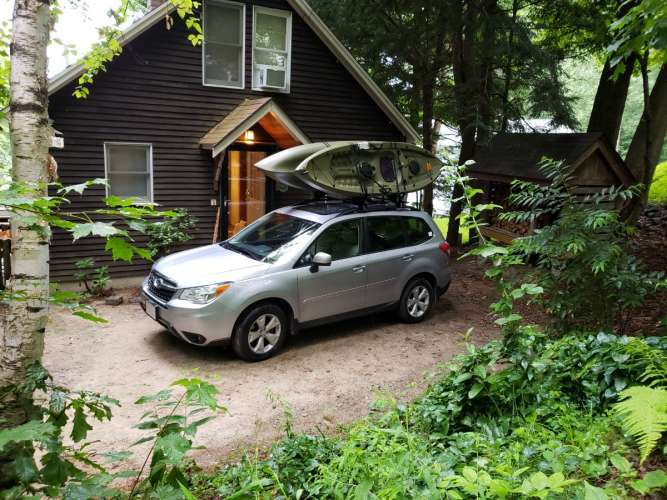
(326, 291)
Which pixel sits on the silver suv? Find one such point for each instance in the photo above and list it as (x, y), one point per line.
(297, 267)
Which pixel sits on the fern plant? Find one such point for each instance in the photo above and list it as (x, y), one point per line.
(644, 415)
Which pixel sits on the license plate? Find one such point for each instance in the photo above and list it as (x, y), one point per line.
(151, 309)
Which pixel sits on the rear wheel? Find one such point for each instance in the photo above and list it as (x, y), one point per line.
(416, 301)
(261, 333)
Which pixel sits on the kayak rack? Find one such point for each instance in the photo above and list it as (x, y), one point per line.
(363, 203)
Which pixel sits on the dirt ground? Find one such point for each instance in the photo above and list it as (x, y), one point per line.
(328, 375)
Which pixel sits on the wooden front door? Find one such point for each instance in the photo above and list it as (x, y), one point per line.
(245, 190)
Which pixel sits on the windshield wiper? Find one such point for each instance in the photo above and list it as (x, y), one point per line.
(241, 250)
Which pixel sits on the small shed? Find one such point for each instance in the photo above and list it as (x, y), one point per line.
(596, 165)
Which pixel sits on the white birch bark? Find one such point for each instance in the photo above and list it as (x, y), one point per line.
(23, 322)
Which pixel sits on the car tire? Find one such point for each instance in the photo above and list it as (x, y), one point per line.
(416, 301)
(260, 333)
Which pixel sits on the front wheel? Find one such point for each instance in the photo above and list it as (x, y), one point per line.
(261, 333)
(416, 301)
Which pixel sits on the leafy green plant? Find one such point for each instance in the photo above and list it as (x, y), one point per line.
(644, 413)
(163, 235)
(173, 422)
(63, 469)
(95, 279)
(582, 261)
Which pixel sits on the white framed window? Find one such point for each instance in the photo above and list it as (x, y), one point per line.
(128, 169)
(271, 49)
(223, 49)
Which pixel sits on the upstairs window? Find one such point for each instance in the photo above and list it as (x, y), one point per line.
(129, 170)
(271, 47)
(223, 46)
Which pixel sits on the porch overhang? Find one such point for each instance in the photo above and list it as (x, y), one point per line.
(263, 111)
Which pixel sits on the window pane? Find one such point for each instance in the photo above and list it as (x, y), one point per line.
(270, 31)
(341, 241)
(223, 23)
(270, 58)
(417, 231)
(385, 233)
(128, 185)
(222, 64)
(127, 158)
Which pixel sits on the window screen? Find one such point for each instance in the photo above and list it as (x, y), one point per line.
(271, 49)
(128, 170)
(223, 44)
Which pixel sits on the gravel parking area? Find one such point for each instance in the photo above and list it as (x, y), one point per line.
(328, 375)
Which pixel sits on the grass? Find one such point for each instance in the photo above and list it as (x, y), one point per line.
(442, 223)
(658, 192)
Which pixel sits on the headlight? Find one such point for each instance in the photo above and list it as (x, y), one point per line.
(203, 294)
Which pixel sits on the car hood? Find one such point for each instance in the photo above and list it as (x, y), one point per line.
(208, 265)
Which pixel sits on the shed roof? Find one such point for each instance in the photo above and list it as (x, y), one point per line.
(517, 155)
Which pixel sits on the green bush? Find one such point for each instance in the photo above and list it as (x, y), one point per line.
(164, 234)
(658, 192)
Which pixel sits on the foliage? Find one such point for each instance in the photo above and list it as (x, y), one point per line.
(63, 469)
(644, 413)
(163, 235)
(73, 470)
(173, 422)
(95, 279)
(582, 260)
(658, 190)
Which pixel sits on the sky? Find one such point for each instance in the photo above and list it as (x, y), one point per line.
(77, 26)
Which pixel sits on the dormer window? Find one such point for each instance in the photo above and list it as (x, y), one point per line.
(224, 44)
(271, 49)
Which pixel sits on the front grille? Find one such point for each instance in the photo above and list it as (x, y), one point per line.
(160, 287)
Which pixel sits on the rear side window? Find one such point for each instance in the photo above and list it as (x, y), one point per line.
(388, 233)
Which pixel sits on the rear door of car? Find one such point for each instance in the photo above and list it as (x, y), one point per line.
(393, 244)
(338, 288)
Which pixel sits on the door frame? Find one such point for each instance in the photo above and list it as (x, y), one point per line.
(224, 184)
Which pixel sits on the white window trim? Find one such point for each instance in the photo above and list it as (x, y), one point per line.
(150, 165)
(288, 47)
(203, 46)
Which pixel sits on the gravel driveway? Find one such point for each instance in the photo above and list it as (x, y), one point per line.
(328, 375)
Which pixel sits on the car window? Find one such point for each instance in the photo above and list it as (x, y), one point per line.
(341, 241)
(417, 231)
(389, 233)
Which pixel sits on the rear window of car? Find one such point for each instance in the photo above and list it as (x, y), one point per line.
(391, 232)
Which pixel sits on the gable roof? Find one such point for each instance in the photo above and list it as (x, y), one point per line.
(243, 117)
(517, 155)
(310, 18)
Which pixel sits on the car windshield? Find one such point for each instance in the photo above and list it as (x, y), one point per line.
(272, 237)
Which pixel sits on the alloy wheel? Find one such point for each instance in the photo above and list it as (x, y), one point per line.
(264, 333)
(419, 299)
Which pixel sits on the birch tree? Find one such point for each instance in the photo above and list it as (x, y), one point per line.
(24, 321)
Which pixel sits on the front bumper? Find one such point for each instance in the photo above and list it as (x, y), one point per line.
(195, 324)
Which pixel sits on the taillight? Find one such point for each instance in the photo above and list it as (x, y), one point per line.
(444, 246)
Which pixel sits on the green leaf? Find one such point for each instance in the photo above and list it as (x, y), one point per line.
(80, 425)
(90, 316)
(33, 430)
(120, 249)
(593, 492)
(103, 229)
(474, 390)
(186, 492)
(508, 319)
(25, 468)
(174, 446)
(651, 481)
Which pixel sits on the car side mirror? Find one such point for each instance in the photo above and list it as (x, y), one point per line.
(320, 259)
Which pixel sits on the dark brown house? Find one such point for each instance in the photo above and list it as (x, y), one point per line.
(183, 126)
(596, 165)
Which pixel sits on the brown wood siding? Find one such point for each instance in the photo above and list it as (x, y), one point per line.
(153, 93)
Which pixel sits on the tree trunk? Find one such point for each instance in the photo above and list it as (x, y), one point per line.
(24, 321)
(427, 132)
(649, 136)
(609, 102)
(465, 91)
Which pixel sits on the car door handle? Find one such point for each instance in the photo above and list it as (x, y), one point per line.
(408, 257)
(358, 269)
